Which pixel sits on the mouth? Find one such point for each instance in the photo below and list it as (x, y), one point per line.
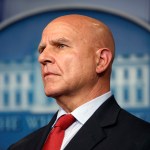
(48, 74)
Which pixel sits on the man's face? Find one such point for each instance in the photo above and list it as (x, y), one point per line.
(67, 60)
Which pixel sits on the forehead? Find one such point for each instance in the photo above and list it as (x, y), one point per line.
(60, 28)
(73, 30)
(70, 28)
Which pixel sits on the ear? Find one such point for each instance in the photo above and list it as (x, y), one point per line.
(104, 59)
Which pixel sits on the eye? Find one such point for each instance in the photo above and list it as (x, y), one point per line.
(41, 49)
(61, 46)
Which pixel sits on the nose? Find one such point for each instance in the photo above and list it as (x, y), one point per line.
(46, 57)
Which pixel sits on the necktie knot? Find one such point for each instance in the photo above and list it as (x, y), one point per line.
(55, 138)
(65, 121)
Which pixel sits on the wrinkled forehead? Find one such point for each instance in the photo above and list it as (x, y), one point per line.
(61, 26)
(61, 29)
(70, 30)
(72, 27)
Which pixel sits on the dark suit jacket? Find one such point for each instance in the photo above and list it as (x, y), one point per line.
(109, 128)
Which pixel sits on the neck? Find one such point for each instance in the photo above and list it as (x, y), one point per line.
(72, 101)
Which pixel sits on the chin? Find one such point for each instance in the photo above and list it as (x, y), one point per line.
(52, 93)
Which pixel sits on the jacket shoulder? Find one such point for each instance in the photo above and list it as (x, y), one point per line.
(132, 121)
(34, 137)
(134, 128)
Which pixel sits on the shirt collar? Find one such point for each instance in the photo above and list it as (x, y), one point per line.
(88, 108)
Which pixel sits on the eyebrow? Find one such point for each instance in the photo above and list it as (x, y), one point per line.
(62, 40)
(59, 40)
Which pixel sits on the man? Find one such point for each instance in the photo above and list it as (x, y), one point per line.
(76, 54)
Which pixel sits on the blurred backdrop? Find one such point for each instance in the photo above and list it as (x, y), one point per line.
(23, 104)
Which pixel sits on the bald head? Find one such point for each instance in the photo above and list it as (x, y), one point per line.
(89, 29)
(76, 55)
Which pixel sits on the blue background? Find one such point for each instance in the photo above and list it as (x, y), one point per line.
(21, 38)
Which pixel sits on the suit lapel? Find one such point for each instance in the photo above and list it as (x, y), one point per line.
(44, 134)
(87, 137)
(93, 131)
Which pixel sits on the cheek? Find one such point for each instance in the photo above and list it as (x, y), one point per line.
(76, 65)
(70, 65)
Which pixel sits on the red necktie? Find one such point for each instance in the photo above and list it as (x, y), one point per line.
(55, 138)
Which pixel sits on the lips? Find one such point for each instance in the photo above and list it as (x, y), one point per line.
(50, 74)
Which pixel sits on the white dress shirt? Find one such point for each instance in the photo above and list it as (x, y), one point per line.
(82, 114)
